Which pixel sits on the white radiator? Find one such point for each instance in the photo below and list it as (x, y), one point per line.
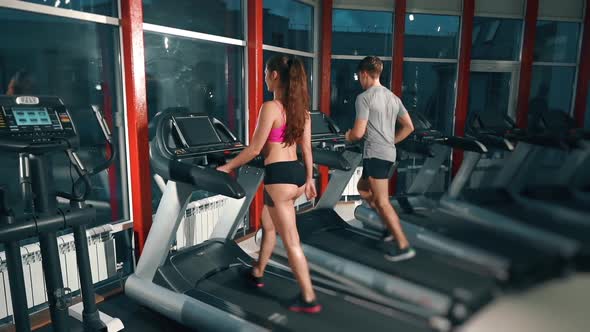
(101, 247)
(199, 220)
(350, 189)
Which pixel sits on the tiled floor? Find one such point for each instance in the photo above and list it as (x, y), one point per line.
(556, 306)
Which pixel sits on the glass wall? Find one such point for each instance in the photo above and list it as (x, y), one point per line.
(361, 32)
(218, 17)
(101, 7)
(431, 47)
(356, 34)
(430, 67)
(200, 75)
(554, 67)
(289, 30)
(496, 38)
(78, 61)
(288, 24)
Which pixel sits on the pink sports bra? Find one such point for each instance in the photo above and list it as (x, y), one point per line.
(277, 135)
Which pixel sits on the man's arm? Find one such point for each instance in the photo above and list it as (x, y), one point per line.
(358, 131)
(405, 129)
(362, 118)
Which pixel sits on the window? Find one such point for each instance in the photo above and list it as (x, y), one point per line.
(556, 41)
(216, 17)
(496, 39)
(308, 64)
(431, 36)
(361, 32)
(80, 64)
(288, 24)
(552, 88)
(101, 7)
(554, 69)
(346, 87)
(429, 88)
(201, 75)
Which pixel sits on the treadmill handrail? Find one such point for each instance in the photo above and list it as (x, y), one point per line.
(205, 178)
(332, 159)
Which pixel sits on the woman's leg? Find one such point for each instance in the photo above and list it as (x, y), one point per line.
(269, 239)
(283, 215)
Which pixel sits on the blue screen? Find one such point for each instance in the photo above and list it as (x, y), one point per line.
(30, 116)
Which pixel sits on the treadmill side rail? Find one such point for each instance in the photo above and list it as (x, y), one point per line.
(184, 309)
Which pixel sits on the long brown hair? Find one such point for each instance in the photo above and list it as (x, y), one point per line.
(295, 95)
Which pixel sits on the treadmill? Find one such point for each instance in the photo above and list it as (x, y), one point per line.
(501, 201)
(514, 260)
(430, 282)
(203, 286)
(556, 195)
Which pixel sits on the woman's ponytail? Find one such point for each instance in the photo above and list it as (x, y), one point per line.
(297, 101)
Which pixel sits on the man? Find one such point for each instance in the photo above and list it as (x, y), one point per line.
(377, 111)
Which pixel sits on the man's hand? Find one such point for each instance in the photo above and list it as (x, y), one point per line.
(224, 169)
(347, 136)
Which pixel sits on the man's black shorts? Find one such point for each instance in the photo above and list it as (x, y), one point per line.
(377, 168)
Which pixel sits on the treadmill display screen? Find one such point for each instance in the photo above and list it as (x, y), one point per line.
(31, 116)
(197, 130)
(319, 125)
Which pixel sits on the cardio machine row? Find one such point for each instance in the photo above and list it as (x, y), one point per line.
(203, 286)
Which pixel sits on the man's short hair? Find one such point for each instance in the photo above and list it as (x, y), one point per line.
(372, 65)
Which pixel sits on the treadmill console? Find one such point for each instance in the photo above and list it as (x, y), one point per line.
(34, 120)
(197, 134)
(325, 134)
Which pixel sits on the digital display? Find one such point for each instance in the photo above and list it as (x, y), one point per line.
(31, 116)
(319, 125)
(197, 130)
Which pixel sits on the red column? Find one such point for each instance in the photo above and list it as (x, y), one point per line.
(463, 77)
(137, 118)
(583, 72)
(397, 65)
(255, 86)
(526, 63)
(325, 74)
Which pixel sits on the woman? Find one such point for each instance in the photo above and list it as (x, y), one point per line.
(283, 123)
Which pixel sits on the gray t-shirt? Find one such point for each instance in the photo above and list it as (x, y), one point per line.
(382, 108)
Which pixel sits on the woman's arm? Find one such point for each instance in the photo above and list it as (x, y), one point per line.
(310, 190)
(306, 148)
(263, 127)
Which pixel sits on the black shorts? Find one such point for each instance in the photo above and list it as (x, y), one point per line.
(377, 168)
(287, 172)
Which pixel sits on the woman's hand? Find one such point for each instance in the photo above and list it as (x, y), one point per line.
(224, 169)
(310, 191)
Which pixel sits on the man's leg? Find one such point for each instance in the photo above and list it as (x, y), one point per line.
(380, 194)
(364, 190)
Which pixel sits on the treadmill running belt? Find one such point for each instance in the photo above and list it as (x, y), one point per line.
(325, 230)
(528, 263)
(269, 304)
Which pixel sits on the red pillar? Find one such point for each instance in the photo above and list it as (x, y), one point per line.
(137, 118)
(255, 88)
(397, 65)
(583, 72)
(399, 28)
(526, 64)
(325, 74)
(463, 77)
